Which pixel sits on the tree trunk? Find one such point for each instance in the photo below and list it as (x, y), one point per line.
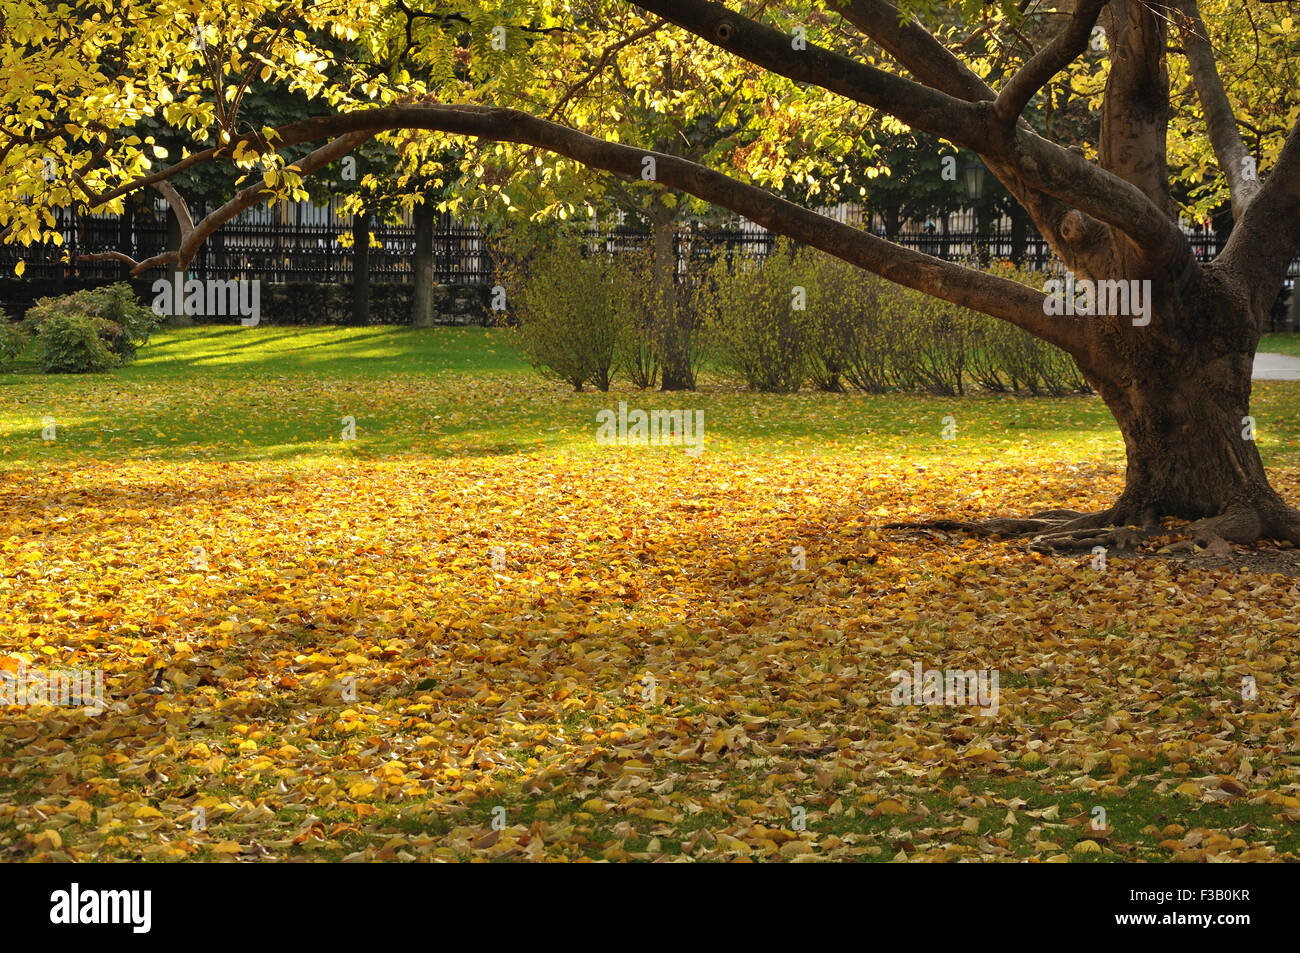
(422, 310)
(175, 273)
(672, 320)
(1183, 406)
(893, 218)
(1019, 235)
(360, 268)
(125, 231)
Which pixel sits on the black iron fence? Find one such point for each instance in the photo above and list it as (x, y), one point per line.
(274, 252)
(279, 252)
(315, 249)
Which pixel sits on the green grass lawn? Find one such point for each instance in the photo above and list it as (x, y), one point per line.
(1280, 344)
(234, 393)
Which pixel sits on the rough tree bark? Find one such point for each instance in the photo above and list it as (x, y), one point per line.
(1179, 387)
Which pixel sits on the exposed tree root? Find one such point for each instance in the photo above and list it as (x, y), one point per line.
(1048, 522)
(1120, 538)
(1124, 528)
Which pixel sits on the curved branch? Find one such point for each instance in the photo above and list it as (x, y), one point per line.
(1041, 164)
(1267, 237)
(1071, 233)
(254, 194)
(916, 48)
(999, 297)
(1234, 158)
(180, 208)
(1064, 48)
(914, 103)
(136, 267)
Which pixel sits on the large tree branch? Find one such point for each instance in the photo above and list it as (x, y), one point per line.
(1234, 158)
(1040, 164)
(157, 261)
(914, 103)
(916, 48)
(1064, 48)
(170, 172)
(999, 297)
(255, 194)
(180, 208)
(1073, 234)
(193, 235)
(1266, 238)
(1135, 107)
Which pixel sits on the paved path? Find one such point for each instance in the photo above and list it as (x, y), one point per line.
(1276, 367)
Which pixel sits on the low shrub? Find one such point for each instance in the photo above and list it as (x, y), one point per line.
(89, 331)
(13, 341)
(72, 343)
(573, 314)
(757, 332)
(860, 330)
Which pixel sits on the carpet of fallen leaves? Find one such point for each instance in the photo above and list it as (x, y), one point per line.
(614, 656)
